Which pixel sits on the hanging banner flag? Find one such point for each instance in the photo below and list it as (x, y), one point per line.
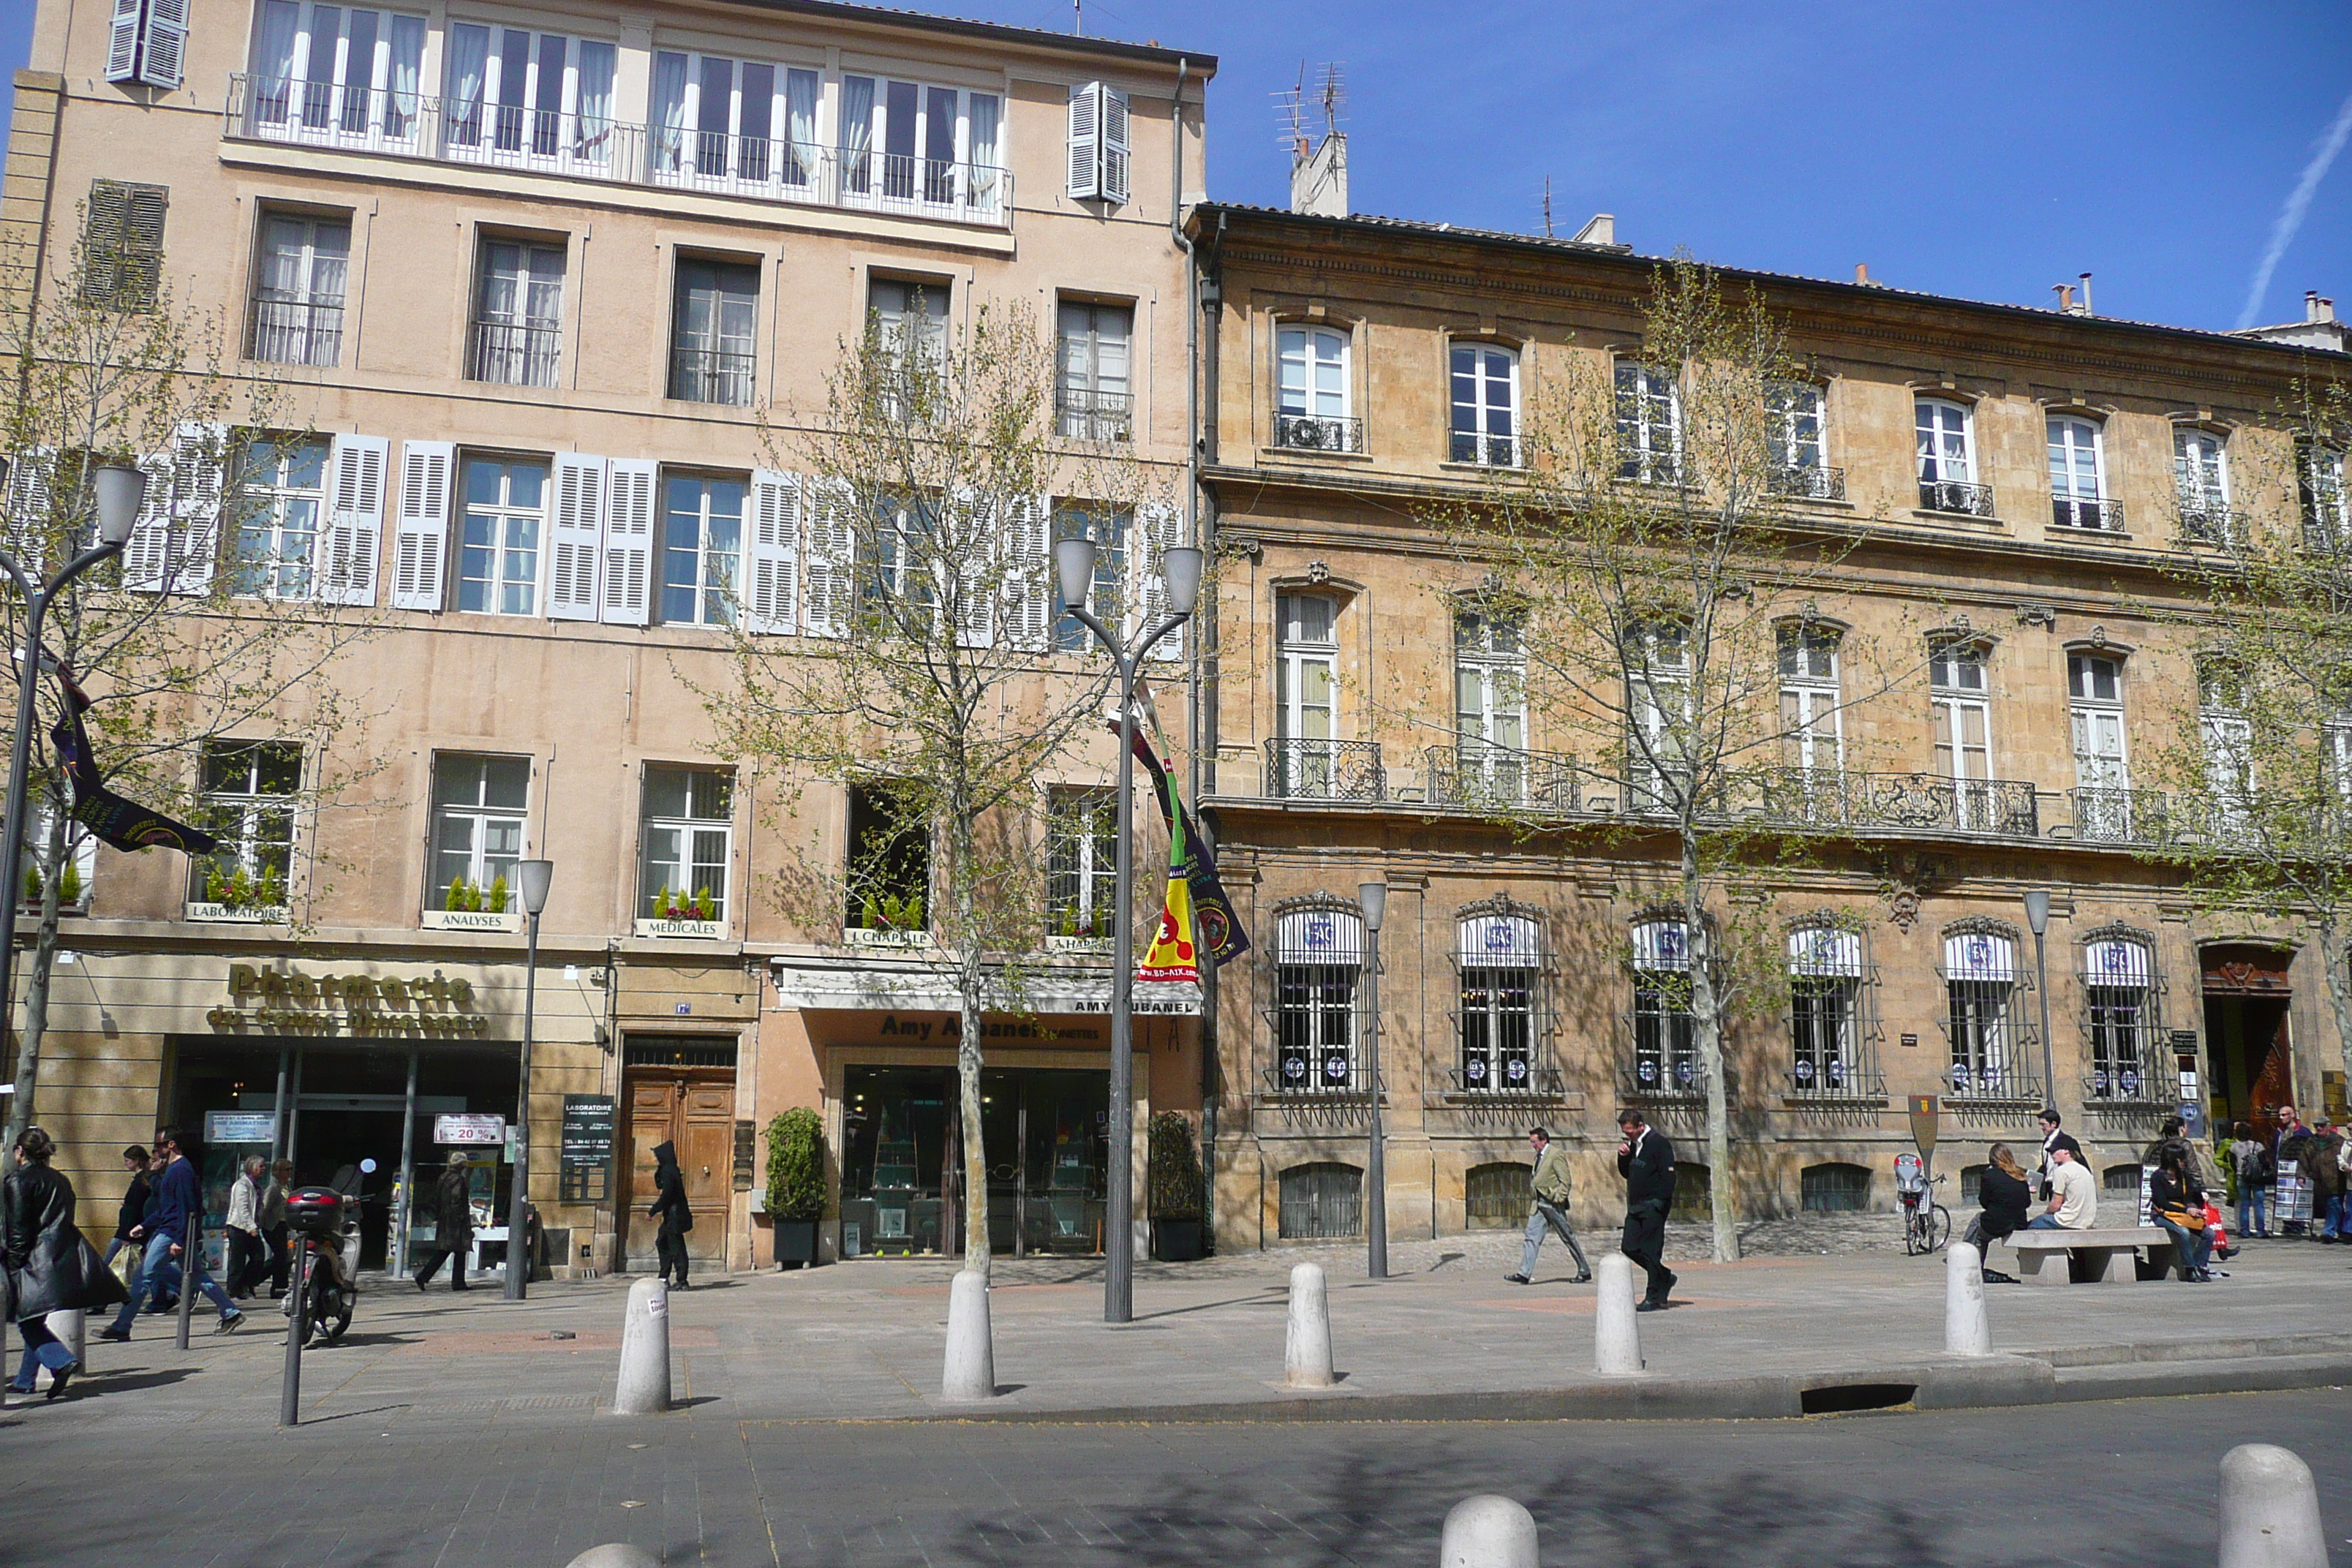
(1171, 956)
(1190, 857)
(123, 824)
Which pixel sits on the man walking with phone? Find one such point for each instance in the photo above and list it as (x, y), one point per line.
(1646, 1159)
(1549, 1209)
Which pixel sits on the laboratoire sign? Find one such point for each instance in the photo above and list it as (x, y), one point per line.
(358, 1004)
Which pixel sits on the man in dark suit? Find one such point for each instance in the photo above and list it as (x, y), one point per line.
(2054, 1139)
(1646, 1161)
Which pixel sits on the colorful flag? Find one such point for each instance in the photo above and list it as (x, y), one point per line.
(1190, 861)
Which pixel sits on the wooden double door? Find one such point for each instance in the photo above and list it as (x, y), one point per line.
(693, 1108)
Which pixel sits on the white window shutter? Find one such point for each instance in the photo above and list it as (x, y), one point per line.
(1085, 141)
(576, 538)
(199, 462)
(825, 510)
(772, 605)
(1160, 527)
(29, 498)
(122, 42)
(147, 554)
(629, 494)
(164, 46)
(1114, 145)
(354, 531)
(1029, 588)
(420, 538)
(970, 545)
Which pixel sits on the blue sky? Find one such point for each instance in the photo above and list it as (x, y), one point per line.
(1986, 150)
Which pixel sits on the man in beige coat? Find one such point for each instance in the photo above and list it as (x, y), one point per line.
(1549, 1210)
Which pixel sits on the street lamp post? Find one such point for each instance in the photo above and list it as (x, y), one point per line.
(1073, 566)
(1373, 897)
(121, 490)
(2037, 915)
(534, 876)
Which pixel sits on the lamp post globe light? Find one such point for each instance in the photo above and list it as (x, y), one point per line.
(2037, 917)
(534, 876)
(1372, 898)
(1074, 569)
(118, 490)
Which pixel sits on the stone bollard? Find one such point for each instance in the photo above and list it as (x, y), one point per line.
(1616, 1331)
(615, 1554)
(2270, 1511)
(1306, 1344)
(1487, 1533)
(644, 1387)
(1966, 1332)
(72, 1327)
(970, 1373)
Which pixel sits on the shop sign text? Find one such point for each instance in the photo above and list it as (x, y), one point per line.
(349, 1003)
(950, 1027)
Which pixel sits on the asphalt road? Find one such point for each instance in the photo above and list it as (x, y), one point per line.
(2129, 1484)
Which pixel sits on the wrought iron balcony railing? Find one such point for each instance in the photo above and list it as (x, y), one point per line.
(1318, 433)
(295, 331)
(726, 376)
(1663, 1076)
(1828, 797)
(2119, 815)
(1317, 1072)
(513, 353)
(1500, 779)
(2092, 516)
(1325, 769)
(1809, 481)
(1089, 414)
(1487, 451)
(595, 147)
(1956, 495)
(2205, 520)
(1836, 1079)
(2131, 1083)
(1993, 1080)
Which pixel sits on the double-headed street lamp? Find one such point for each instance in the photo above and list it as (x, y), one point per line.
(121, 490)
(1073, 563)
(534, 877)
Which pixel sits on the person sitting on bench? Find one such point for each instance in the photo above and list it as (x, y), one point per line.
(2074, 1195)
(2177, 1203)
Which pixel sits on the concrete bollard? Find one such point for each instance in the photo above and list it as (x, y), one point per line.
(1966, 1332)
(1616, 1331)
(615, 1554)
(1487, 1533)
(1306, 1343)
(2270, 1511)
(970, 1373)
(71, 1326)
(643, 1388)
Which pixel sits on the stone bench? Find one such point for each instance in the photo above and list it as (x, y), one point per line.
(2090, 1257)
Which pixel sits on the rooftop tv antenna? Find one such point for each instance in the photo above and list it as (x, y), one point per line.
(1548, 233)
(1293, 114)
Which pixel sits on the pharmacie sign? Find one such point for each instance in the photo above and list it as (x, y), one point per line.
(357, 1005)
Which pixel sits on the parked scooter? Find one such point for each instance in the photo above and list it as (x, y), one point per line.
(326, 1226)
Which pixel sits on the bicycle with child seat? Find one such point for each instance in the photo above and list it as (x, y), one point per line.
(1927, 1224)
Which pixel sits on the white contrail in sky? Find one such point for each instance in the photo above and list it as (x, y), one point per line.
(2289, 216)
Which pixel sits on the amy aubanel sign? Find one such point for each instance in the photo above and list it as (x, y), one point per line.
(359, 1005)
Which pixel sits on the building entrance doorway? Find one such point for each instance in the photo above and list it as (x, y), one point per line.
(2249, 1058)
(680, 1090)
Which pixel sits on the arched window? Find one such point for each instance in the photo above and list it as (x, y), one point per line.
(2078, 476)
(2121, 1021)
(1318, 960)
(2121, 1184)
(1830, 1054)
(1314, 391)
(1665, 1051)
(1834, 1189)
(1497, 1197)
(1484, 381)
(1948, 458)
(1984, 1018)
(1499, 955)
(1321, 1202)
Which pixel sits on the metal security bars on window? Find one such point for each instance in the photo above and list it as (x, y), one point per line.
(1665, 1047)
(1984, 1020)
(1832, 1035)
(1317, 962)
(2123, 1019)
(1504, 1021)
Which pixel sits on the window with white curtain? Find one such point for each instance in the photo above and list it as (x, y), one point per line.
(334, 73)
(2201, 482)
(1319, 958)
(298, 293)
(1314, 399)
(1810, 728)
(919, 145)
(1946, 452)
(731, 124)
(2319, 474)
(518, 328)
(514, 96)
(2078, 497)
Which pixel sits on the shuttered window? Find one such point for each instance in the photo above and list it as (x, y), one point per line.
(148, 42)
(122, 244)
(283, 487)
(1098, 143)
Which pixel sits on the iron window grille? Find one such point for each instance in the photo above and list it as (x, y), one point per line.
(1503, 1017)
(1834, 1188)
(1321, 1202)
(2123, 1019)
(1833, 1025)
(1497, 1197)
(1665, 1042)
(1989, 1039)
(1316, 1019)
(1318, 433)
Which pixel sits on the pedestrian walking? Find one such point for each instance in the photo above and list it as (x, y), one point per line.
(452, 1223)
(2006, 1196)
(274, 1231)
(177, 1198)
(244, 1222)
(51, 1266)
(1549, 1209)
(670, 1207)
(1646, 1159)
(134, 1203)
(2251, 1163)
(2320, 1161)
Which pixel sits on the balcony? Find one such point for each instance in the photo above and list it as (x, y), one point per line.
(1325, 769)
(2205, 520)
(1499, 779)
(2090, 516)
(1956, 496)
(1318, 433)
(723, 376)
(513, 353)
(1090, 414)
(510, 136)
(1829, 797)
(295, 331)
(1806, 481)
(1486, 451)
(2119, 815)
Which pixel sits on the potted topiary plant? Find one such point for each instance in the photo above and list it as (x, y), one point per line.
(1175, 1187)
(796, 1183)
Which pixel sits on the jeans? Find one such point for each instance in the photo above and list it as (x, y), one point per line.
(159, 1267)
(1548, 1216)
(42, 1347)
(2250, 1198)
(2192, 1253)
(2043, 1222)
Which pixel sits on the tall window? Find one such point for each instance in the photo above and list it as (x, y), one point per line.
(519, 313)
(249, 790)
(1108, 527)
(1092, 397)
(1825, 1010)
(1983, 1021)
(499, 536)
(2078, 476)
(2319, 473)
(123, 244)
(513, 96)
(2095, 685)
(282, 484)
(2120, 1017)
(1658, 694)
(2227, 738)
(1962, 710)
(1490, 695)
(479, 810)
(1649, 424)
(2201, 482)
(702, 549)
(1307, 657)
(1811, 728)
(910, 325)
(298, 294)
(1666, 1050)
(1794, 437)
(1081, 863)
(1499, 957)
(732, 125)
(1314, 400)
(689, 838)
(889, 865)
(336, 73)
(1946, 444)
(714, 330)
(1318, 958)
(906, 143)
(1485, 382)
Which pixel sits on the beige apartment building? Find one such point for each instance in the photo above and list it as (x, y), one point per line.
(533, 279)
(2012, 481)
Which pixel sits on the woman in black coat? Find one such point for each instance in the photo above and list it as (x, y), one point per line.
(2006, 1194)
(50, 1268)
(670, 1207)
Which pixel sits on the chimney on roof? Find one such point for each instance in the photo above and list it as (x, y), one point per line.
(1601, 230)
(1861, 276)
(2316, 309)
(2065, 293)
(2087, 309)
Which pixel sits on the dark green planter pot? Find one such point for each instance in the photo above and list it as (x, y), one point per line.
(1176, 1240)
(796, 1242)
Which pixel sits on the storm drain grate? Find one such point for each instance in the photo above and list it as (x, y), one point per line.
(1843, 1398)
